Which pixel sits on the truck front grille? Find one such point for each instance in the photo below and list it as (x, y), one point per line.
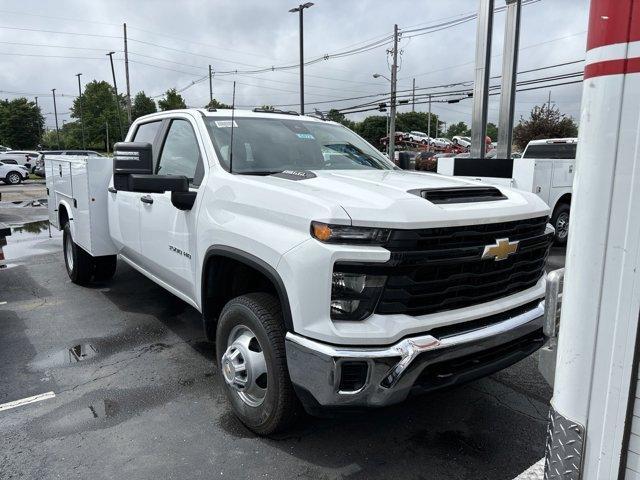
(440, 269)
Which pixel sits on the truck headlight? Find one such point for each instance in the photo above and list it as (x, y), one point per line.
(329, 233)
(354, 295)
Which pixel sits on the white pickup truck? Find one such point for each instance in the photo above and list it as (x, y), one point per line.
(326, 276)
(546, 169)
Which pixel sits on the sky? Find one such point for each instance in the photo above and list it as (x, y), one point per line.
(44, 44)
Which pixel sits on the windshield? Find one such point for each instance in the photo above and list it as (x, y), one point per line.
(269, 145)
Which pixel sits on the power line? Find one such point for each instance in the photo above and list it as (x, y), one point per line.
(59, 32)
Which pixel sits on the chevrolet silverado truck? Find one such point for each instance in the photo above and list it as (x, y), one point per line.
(326, 276)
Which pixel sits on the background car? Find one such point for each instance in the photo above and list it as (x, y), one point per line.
(418, 137)
(4, 149)
(26, 158)
(426, 162)
(462, 141)
(440, 142)
(13, 174)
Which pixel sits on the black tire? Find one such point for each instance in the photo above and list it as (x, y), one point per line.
(261, 314)
(13, 178)
(560, 221)
(105, 267)
(454, 141)
(79, 263)
(424, 142)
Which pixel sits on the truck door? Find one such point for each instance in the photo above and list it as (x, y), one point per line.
(167, 234)
(124, 207)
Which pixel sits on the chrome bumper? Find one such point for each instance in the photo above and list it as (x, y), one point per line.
(392, 371)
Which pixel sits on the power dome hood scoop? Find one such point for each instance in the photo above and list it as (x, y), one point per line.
(451, 195)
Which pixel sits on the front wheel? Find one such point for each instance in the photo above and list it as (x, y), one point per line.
(252, 362)
(560, 221)
(13, 178)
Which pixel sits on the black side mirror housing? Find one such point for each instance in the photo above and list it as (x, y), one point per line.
(183, 200)
(131, 158)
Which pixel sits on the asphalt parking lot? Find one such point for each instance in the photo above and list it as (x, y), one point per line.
(137, 396)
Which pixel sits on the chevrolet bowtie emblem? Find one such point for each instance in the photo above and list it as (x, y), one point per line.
(500, 250)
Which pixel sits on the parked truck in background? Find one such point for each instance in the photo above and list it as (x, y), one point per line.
(546, 169)
(326, 276)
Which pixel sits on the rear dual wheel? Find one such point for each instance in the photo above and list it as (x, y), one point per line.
(82, 267)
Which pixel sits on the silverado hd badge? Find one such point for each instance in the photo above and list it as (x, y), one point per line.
(500, 250)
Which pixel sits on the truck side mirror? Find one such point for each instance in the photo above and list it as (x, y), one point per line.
(131, 158)
(178, 185)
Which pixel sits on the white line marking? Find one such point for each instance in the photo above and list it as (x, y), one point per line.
(3, 303)
(26, 401)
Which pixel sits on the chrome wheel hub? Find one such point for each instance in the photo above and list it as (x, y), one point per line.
(244, 367)
(562, 225)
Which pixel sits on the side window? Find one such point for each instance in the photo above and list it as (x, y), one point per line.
(147, 132)
(181, 153)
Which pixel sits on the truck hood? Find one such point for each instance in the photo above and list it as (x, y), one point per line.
(382, 198)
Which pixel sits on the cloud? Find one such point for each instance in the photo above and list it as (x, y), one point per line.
(172, 43)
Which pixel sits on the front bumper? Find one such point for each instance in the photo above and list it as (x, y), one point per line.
(381, 376)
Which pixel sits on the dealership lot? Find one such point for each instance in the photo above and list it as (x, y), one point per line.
(136, 395)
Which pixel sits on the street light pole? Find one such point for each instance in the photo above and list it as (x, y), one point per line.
(300, 10)
(80, 102)
(377, 75)
(55, 114)
(115, 88)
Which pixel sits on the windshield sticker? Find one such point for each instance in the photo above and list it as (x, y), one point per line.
(225, 124)
(305, 136)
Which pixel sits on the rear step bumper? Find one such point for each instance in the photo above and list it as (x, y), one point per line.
(325, 375)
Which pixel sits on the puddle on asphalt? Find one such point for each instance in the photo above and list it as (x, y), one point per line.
(85, 416)
(68, 356)
(33, 238)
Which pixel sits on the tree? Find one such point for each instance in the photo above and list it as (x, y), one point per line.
(172, 101)
(21, 123)
(142, 105)
(544, 122)
(336, 116)
(492, 131)
(216, 104)
(417, 121)
(458, 129)
(99, 108)
(372, 129)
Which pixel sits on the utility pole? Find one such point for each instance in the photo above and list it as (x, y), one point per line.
(549, 102)
(509, 78)
(392, 113)
(126, 69)
(55, 114)
(210, 86)
(300, 10)
(80, 102)
(413, 97)
(115, 88)
(429, 118)
(481, 81)
(36, 101)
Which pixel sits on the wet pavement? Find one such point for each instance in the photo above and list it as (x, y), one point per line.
(137, 397)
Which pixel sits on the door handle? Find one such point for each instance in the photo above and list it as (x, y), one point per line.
(146, 199)
(112, 190)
